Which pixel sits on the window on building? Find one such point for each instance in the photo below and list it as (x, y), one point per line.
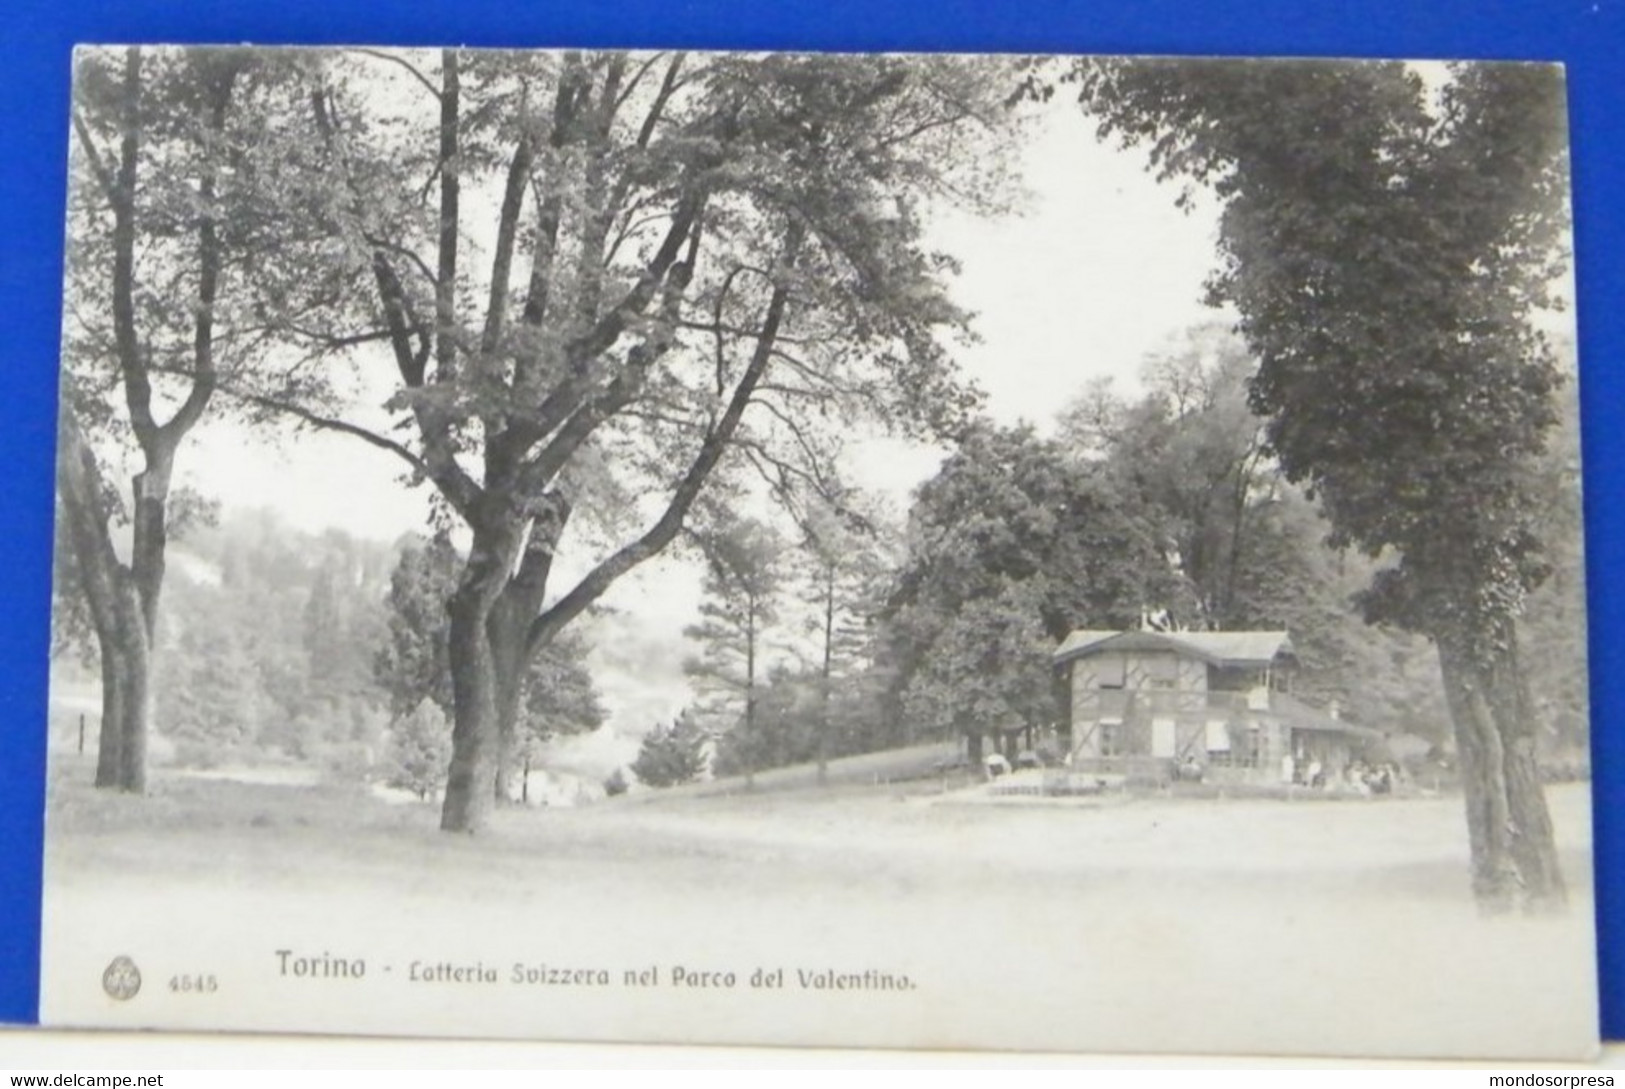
(1110, 672)
(1111, 739)
(1161, 671)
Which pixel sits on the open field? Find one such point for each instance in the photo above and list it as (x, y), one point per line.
(1140, 924)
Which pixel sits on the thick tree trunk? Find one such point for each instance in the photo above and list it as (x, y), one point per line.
(509, 629)
(126, 667)
(505, 629)
(135, 700)
(476, 735)
(121, 631)
(1514, 856)
(110, 748)
(504, 788)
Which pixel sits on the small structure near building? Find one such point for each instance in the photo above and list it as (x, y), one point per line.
(1158, 706)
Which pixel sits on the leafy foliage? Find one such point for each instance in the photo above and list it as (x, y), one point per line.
(1445, 223)
(412, 665)
(1010, 546)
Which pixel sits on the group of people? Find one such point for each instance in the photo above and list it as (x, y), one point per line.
(1358, 776)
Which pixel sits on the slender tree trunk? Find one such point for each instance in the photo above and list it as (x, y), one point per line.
(142, 587)
(121, 758)
(824, 680)
(747, 749)
(1514, 856)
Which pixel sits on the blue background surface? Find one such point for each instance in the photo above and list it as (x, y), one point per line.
(38, 36)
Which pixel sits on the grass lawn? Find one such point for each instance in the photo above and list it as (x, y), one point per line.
(1126, 923)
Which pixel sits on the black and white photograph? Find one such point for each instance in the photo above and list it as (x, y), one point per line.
(861, 550)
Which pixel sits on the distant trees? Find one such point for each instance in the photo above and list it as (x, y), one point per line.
(744, 577)
(1247, 546)
(412, 665)
(842, 568)
(1190, 454)
(242, 671)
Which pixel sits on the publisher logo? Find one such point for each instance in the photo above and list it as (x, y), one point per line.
(122, 979)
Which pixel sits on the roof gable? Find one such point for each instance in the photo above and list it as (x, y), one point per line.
(1220, 648)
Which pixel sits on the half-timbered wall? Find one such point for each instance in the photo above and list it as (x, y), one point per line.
(1139, 703)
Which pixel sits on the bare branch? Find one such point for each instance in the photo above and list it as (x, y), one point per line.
(637, 77)
(197, 399)
(132, 361)
(395, 58)
(513, 197)
(98, 167)
(445, 288)
(666, 528)
(405, 251)
(324, 423)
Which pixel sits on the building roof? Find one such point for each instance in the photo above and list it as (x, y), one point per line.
(1306, 716)
(1221, 648)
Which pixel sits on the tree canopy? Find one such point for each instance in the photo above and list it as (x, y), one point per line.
(691, 261)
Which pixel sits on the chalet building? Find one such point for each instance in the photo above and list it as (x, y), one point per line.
(1142, 703)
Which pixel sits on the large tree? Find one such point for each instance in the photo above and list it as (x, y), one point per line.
(1389, 237)
(632, 269)
(169, 208)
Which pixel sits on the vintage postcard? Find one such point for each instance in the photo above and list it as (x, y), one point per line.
(1059, 553)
